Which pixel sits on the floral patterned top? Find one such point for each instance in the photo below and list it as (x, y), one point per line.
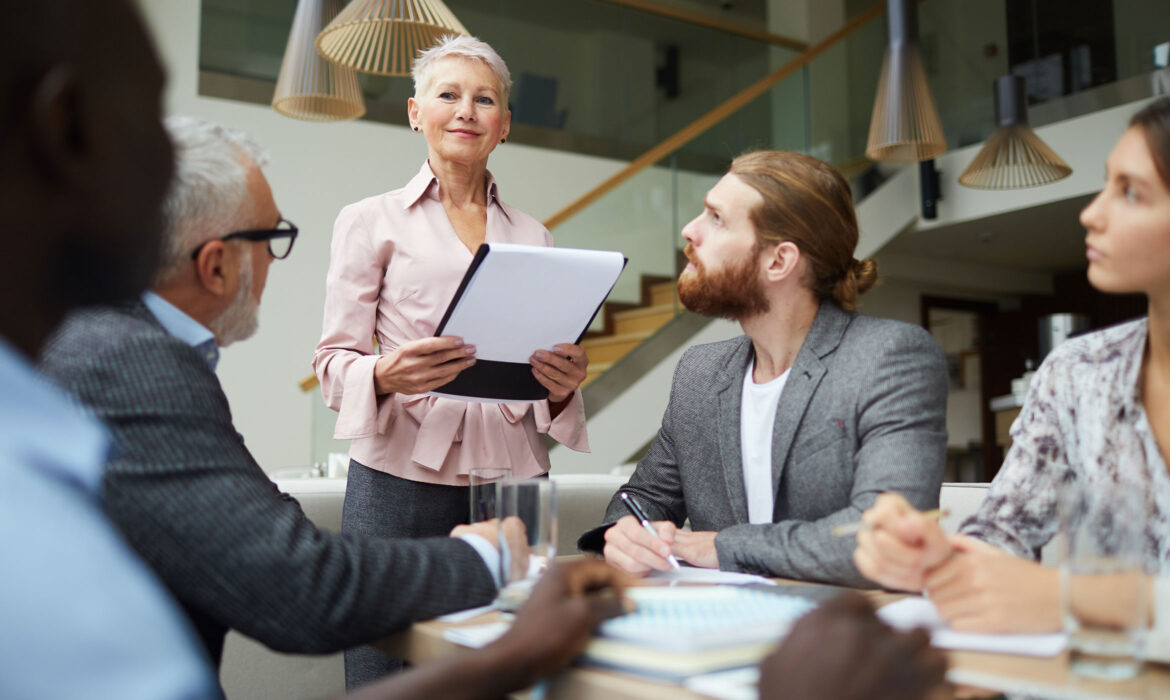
(1082, 424)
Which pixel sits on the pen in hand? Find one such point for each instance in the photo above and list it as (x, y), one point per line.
(640, 516)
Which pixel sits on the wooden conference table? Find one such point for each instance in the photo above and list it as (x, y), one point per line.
(1047, 677)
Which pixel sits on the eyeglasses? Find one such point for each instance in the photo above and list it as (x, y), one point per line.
(280, 239)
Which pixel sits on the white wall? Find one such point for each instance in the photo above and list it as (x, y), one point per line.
(315, 170)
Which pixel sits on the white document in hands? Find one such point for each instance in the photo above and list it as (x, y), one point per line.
(522, 298)
(516, 299)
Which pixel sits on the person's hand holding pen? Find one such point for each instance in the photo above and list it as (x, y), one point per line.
(899, 545)
(638, 546)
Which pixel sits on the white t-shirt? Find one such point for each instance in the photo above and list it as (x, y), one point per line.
(757, 416)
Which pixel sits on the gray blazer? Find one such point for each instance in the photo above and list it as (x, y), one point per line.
(863, 411)
(234, 551)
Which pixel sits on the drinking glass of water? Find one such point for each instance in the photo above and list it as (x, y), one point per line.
(1103, 579)
(527, 536)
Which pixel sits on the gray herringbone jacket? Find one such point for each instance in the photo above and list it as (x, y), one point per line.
(191, 500)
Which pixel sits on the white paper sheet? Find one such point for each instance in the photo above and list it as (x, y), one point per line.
(694, 574)
(920, 612)
(476, 636)
(465, 615)
(736, 684)
(523, 298)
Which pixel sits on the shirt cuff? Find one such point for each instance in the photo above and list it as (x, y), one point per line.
(487, 552)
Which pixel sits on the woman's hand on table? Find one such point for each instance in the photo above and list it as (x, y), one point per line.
(560, 371)
(841, 651)
(899, 544)
(422, 365)
(984, 589)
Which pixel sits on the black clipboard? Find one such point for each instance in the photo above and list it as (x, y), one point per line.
(493, 380)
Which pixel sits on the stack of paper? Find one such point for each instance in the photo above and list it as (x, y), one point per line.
(679, 632)
(515, 299)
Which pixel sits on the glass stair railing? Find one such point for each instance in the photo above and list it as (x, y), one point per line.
(820, 101)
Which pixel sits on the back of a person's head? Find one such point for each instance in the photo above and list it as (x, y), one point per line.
(84, 161)
(806, 201)
(1154, 122)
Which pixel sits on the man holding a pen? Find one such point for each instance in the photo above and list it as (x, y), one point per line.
(772, 439)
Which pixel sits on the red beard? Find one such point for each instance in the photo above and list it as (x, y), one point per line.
(734, 292)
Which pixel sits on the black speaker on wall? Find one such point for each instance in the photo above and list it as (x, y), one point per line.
(666, 76)
(929, 184)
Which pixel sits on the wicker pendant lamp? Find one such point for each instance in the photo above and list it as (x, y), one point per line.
(1013, 157)
(309, 87)
(384, 36)
(905, 127)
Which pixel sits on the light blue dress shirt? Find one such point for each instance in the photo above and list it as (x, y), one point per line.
(80, 615)
(183, 327)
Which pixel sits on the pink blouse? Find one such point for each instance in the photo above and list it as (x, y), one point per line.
(396, 263)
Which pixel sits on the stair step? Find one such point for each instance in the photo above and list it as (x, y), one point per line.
(612, 347)
(595, 370)
(649, 318)
(663, 293)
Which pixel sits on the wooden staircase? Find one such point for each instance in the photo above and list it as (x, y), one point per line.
(627, 325)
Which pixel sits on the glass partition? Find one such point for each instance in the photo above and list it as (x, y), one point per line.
(596, 77)
(588, 75)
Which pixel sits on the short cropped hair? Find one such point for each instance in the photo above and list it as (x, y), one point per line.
(807, 202)
(209, 187)
(461, 46)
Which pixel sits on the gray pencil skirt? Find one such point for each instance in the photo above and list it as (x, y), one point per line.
(381, 505)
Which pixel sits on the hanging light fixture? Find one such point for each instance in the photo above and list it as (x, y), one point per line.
(310, 87)
(905, 127)
(1013, 157)
(384, 36)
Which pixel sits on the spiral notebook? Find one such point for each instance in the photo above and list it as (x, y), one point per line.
(678, 632)
(699, 618)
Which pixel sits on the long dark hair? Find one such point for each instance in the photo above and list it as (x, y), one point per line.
(1154, 122)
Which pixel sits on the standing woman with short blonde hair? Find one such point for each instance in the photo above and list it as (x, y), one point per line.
(396, 261)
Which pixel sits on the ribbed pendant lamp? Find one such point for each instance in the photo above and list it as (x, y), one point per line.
(384, 36)
(310, 87)
(905, 127)
(1013, 157)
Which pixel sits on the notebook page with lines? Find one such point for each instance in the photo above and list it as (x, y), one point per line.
(698, 618)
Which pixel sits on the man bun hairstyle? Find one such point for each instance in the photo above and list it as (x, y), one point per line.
(807, 202)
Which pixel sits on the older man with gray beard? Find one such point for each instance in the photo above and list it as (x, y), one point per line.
(182, 487)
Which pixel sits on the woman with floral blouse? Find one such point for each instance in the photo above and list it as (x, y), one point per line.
(1097, 415)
